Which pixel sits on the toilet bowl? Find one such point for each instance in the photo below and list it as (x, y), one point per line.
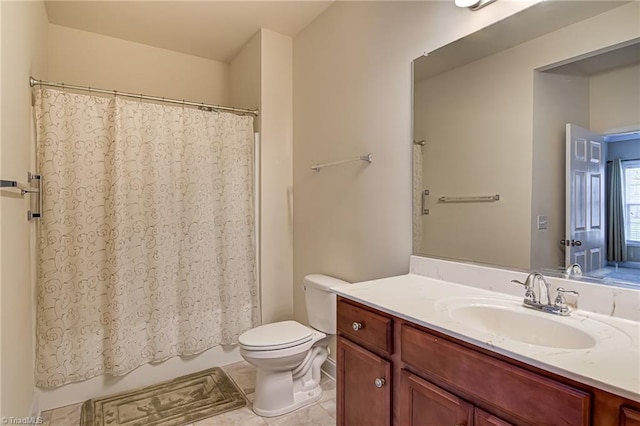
(288, 356)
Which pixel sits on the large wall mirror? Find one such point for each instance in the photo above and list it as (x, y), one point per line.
(527, 143)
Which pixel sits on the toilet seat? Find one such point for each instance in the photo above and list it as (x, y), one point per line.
(275, 336)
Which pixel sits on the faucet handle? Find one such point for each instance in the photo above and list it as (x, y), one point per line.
(560, 301)
(528, 294)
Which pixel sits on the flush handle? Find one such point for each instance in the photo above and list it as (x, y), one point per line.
(356, 326)
(379, 382)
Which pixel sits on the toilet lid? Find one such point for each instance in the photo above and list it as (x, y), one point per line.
(278, 335)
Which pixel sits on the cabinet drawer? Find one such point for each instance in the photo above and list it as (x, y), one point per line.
(528, 397)
(365, 327)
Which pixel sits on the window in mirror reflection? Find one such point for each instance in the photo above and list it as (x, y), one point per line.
(632, 203)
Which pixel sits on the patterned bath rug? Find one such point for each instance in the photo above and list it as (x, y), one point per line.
(173, 403)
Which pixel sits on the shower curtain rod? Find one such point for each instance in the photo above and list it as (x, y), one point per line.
(200, 105)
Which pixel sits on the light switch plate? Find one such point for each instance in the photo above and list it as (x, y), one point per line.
(542, 222)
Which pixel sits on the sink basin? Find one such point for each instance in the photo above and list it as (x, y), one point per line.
(521, 326)
(510, 320)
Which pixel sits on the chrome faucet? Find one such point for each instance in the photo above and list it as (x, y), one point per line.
(529, 295)
(543, 301)
(573, 270)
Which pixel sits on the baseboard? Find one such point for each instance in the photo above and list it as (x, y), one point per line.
(329, 368)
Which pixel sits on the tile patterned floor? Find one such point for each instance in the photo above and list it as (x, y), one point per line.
(322, 413)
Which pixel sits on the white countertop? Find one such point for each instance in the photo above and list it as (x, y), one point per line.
(612, 364)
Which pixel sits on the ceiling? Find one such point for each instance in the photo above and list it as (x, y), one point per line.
(602, 61)
(207, 28)
(535, 21)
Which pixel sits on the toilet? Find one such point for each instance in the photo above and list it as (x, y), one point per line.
(288, 355)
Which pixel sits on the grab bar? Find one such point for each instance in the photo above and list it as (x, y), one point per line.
(24, 189)
(28, 189)
(469, 199)
(366, 158)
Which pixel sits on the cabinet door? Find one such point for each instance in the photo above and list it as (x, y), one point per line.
(629, 417)
(422, 403)
(364, 387)
(482, 418)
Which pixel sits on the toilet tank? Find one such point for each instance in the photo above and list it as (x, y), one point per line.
(321, 302)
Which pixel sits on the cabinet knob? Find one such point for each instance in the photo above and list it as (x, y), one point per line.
(379, 382)
(356, 326)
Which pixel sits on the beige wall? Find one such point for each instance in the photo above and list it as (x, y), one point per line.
(615, 99)
(476, 120)
(89, 59)
(276, 110)
(352, 96)
(24, 53)
(244, 77)
(261, 75)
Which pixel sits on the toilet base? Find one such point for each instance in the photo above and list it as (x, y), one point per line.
(276, 398)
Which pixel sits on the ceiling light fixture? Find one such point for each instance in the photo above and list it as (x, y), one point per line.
(473, 4)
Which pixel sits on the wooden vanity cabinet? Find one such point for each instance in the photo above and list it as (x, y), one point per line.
(503, 388)
(429, 378)
(422, 403)
(364, 366)
(629, 416)
(482, 418)
(363, 401)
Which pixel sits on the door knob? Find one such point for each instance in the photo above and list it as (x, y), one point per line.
(379, 382)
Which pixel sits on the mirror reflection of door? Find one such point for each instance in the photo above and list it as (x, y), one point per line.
(585, 241)
(603, 203)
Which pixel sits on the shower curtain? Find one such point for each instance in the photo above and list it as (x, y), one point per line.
(616, 238)
(146, 244)
(417, 199)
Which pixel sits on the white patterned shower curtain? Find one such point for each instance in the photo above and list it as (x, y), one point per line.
(146, 244)
(417, 198)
